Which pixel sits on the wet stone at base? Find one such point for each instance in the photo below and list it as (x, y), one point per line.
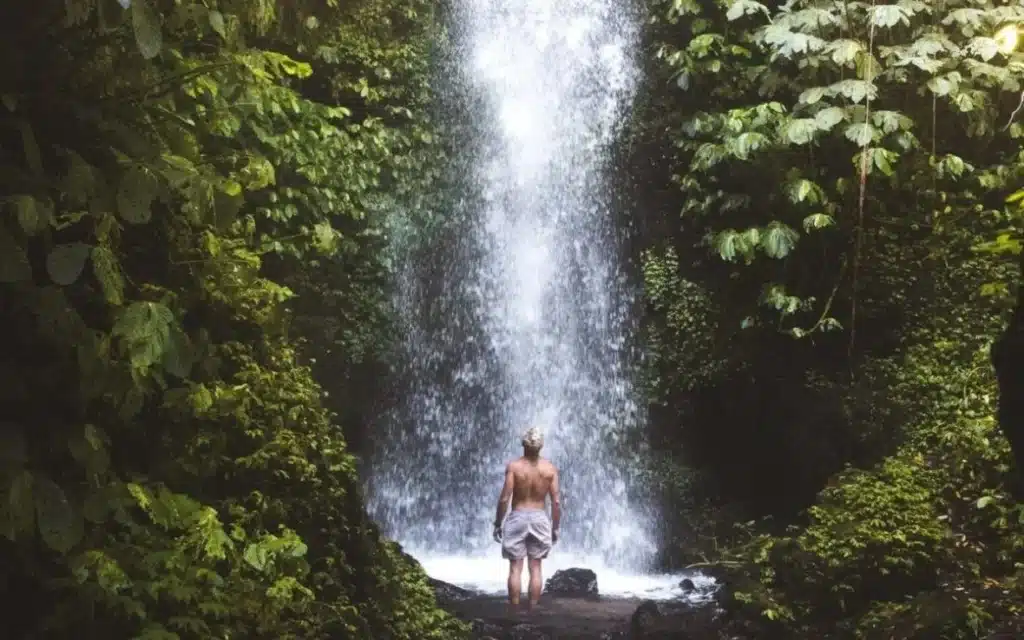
(572, 583)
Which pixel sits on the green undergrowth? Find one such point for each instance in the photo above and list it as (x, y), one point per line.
(844, 167)
(169, 469)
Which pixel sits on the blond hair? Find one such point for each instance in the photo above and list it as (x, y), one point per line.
(533, 439)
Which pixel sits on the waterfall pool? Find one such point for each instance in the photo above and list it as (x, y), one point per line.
(488, 574)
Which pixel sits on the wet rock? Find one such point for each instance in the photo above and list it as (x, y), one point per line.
(727, 582)
(574, 583)
(644, 619)
(447, 593)
(675, 621)
(483, 630)
(687, 585)
(528, 632)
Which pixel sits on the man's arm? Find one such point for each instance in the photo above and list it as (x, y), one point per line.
(556, 503)
(506, 495)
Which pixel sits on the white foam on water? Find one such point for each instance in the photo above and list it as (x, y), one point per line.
(488, 575)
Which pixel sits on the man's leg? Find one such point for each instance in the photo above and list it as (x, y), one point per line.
(515, 581)
(536, 581)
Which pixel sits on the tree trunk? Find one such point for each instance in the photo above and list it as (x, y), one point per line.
(1008, 359)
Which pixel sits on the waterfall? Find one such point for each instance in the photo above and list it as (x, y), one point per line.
(522, 317)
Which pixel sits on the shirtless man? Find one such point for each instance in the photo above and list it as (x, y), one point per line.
(528, 533)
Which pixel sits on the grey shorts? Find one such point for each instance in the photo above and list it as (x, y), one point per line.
(527, 532)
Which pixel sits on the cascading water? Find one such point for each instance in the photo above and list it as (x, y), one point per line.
(529, 324)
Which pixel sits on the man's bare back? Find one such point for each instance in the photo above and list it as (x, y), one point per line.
(531, 482)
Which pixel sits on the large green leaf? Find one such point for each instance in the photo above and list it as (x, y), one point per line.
(80, 181)
(740, 8)
(217, 24)
(984, 47)
(33, 216)
(844, 51)
(818, 221)
(325, 238)
(108, 273)
(178, 355)
(778, 240)
(944, 85)
(88, 448)
(855, 90)
(17, 512)
(256, 556)
(144, 330)
(883, 160)
(65, 262)
(889, 15)
(146, 26)
(726, 243)
(804, 190)
(800, 130)
(744, 144)
(862, 133)
(812, 95)
(60, 525)
(829, 117)
(135, 195)
(891, 121)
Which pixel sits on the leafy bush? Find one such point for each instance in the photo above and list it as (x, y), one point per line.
(849, 164)
(169, 469)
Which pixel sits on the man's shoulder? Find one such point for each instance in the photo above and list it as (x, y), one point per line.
(547, 464)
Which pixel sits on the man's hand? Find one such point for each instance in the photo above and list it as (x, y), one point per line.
(497, 532)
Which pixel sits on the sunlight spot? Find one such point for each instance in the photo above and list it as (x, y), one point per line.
(1007, 37)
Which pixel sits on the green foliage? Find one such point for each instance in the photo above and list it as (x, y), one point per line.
(681, 348)
(169, 469)
(911, 92)
(846, 166)
(923, 544)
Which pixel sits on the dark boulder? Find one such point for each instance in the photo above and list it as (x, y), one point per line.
(674, 620)
(447, 593)
(687, 585)
(573, 583)
(483, 630)
(645, 619)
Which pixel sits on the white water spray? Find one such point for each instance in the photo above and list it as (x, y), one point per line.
(529, 326)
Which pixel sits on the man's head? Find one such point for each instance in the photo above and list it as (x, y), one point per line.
(533, 441)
